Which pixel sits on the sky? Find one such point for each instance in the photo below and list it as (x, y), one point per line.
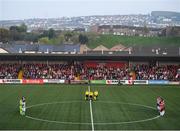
(25, 9)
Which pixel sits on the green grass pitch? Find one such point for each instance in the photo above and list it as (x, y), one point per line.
(73, 109)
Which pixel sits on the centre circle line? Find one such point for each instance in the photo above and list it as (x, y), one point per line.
(97, 123)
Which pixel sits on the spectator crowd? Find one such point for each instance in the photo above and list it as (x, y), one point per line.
(80, 71)
(9, 71)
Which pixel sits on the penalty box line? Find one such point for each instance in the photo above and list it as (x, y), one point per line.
(91, 113)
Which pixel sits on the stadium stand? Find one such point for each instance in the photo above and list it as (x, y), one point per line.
(89, 71)
(9, 71)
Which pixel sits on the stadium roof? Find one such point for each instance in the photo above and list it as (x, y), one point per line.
(19, 48)
(118, 47)
(79, 57)
(147, 50)
(100, 48)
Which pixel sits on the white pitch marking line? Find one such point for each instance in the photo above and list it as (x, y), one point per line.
(90, 103)
(103, 123)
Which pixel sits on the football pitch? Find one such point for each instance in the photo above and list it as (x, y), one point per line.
(63, 107)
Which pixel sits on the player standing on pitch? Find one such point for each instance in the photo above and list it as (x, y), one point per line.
(87, 95)
(95, 95)
(22, 106)
(161, 106)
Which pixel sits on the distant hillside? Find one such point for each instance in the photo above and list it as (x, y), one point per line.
(167, 14)
(111, 40)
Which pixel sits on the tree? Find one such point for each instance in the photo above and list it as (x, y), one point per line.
(44, 34)
(83, 39)
(18, 32)
(31, 37)
(68, 36)
(61, 39)
(4, 35)
(51, 33)
(75, 38)
(44, 40)
(14, 34)
(145, 29)
(22, 28)
(14, 28)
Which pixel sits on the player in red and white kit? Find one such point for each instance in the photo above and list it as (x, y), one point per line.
(161, 106)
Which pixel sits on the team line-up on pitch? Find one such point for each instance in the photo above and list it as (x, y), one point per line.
(90, 95)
